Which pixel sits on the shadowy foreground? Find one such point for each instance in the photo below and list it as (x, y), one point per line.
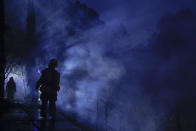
(24, 116)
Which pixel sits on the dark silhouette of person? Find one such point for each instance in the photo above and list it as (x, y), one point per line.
(49, 86)
(11, 89)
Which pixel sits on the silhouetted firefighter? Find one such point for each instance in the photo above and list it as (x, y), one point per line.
(11, 89)
(49, 85)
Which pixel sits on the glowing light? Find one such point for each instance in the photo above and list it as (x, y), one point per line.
(20, 79)
(38, 71)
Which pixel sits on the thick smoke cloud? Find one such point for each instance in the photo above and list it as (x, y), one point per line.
(165, 70)
(125, 73)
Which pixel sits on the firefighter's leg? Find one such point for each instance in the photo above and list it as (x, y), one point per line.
(12, 96)
(8, 95)
(52, 108)
(44, 101)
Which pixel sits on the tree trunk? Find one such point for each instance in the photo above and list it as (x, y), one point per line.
(2, 55)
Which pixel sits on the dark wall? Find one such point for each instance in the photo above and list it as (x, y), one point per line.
(2, 58)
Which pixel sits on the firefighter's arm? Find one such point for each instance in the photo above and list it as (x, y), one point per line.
(40, 81)
(38, 84)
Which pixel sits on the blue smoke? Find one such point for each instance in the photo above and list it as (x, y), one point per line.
(123, 73)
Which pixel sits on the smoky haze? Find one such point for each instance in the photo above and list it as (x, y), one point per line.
(123, 68)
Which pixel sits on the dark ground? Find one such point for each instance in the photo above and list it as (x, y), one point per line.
(24, 116)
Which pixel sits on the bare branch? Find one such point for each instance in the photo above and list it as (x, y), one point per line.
(8, 74)
(9, 69)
